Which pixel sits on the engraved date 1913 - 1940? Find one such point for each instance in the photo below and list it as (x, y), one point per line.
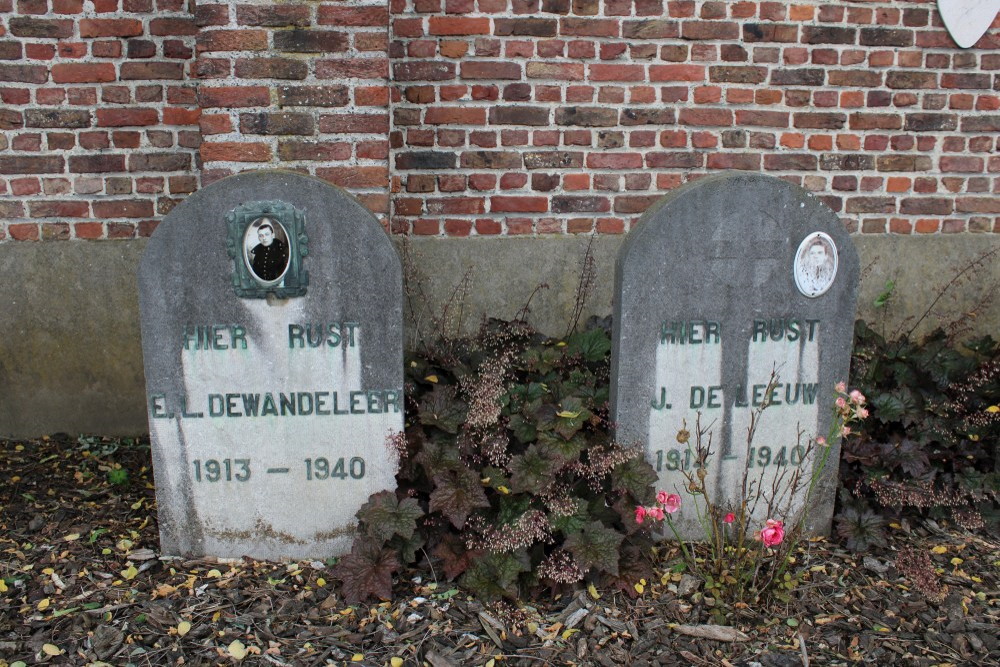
(315, 469)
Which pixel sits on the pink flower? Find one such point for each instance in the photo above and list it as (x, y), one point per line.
(661, 497)
(857, 397)
(655, 512)
(841, 403)
(821, 441)
(845, 430)
(640, 514)
(672, 503)
(862, 413)
(772, 534)
(729, 518)
(841, 387)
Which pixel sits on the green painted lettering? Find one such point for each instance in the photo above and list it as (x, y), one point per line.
(296, 334)
(794, 329)
(392, 399)
(714, 397)
(812, 329)
(759, 328)
(305, 403)
(217, 342)
(184, 409)
(374, 406)
(321, 397)
(287, 404)
(758, 394)
(269, 407)
(216, 405)
(351, 326)
(239, 335)
(697, 397)
(356, 407)
(251, 403)
(809, 393)
(334, 338)
(345, 411)
(713, 331)
(232, 409)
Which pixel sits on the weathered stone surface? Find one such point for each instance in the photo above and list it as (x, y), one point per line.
(706, 306)
(269, 416)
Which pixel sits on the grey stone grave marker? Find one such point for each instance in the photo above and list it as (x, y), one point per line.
(721, 282)
(271, 308)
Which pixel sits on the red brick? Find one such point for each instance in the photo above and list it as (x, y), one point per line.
(23, 231)
(614, 161)
(450, 25)
(706, 117)
(235, 152)
(355, 177)
(178, 116)
(22, 26)
(586, 27)
(375, 16)
(314, 150)
(558, 71)
(135, 208)
(232, 40)
(152, 70)
(110, 27)
(677, 73)
(233, 96)
(519, 204)
(173, 26)
(274, 16)
(88, 230)
(83, 72)
(59, 209)
(617, 73)
(455, 116)
(485, 69)
(126, 117)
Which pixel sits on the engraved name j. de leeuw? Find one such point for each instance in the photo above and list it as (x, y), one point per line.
(279, 402)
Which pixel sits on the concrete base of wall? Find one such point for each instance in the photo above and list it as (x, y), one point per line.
(71, 360)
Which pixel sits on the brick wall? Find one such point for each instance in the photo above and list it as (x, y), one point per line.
(98, 116)
(493, 117)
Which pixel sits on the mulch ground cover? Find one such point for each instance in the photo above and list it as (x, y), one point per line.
(83, 582)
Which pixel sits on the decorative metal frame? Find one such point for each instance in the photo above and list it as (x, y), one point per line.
(295, 279)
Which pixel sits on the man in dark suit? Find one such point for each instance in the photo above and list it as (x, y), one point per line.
(270, 256)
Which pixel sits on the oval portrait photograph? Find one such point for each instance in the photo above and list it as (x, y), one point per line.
(265, 250)
(815, 264)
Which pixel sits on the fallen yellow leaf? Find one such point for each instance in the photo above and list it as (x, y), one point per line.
(130, 573)
(43, 604)
(566, 414)
(357, 657)
(593, 592)
(940, 549)
(237, 649)
(213, 574)
(396, 661)
(183, 628)
(321, 582)
(432, 378)
(51, 649)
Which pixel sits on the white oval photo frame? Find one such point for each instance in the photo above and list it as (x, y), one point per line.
(250, 241)
(815, 266)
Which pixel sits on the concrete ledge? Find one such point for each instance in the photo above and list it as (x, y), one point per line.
(70, 355)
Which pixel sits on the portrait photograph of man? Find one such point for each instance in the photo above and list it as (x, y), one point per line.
(815, 264)
(266, 249)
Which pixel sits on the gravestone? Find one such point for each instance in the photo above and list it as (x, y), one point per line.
(271, 306)
(720, 283)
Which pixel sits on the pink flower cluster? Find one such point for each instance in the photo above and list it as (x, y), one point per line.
(850, 408)
(666, 503)
(772, 534)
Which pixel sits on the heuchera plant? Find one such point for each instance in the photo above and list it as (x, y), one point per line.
(508, 478)
(739, 560)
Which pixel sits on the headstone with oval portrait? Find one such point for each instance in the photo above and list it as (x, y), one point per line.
(726, 280)
(271, 307)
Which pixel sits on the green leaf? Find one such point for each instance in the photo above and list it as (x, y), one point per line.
(367, 570)
(636, 477)
(561, 449)
(442, 408)
(532, 471)
(883, 298)
(593, 345)
(595, 546)
(385, 516)
(457, 494)
(495, 575)
(523, 429)
(407, 547)
(572, 523)
(572, 416)
(439, 455)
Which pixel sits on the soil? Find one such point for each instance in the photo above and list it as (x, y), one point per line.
(83, 582)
